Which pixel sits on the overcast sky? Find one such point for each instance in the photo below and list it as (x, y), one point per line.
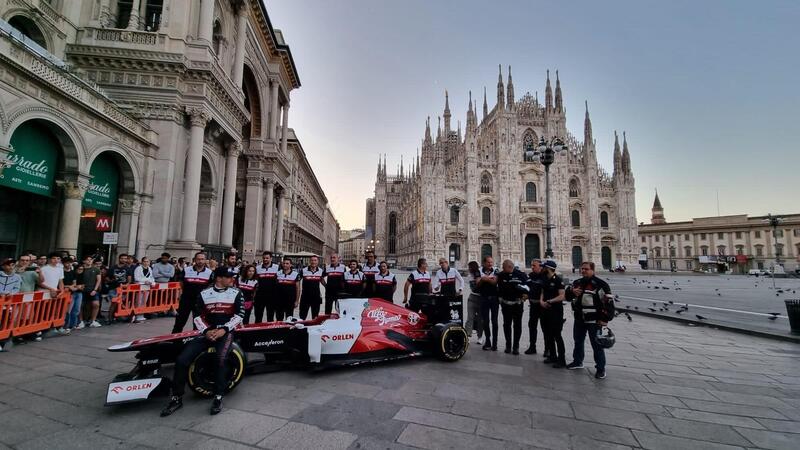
(706, 90)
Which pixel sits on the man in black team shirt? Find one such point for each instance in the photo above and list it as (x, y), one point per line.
(267, 273)
(369, 269)
(195, 278)
(310, 292)
(334, 282)
(218, 311)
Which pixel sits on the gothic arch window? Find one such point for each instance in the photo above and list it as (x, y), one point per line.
(486, 183)
(392, 233)
(603, 219)
(574, 188)
(216, 36)
(575, 218)
(528, 143)
(530, 191)
(454, 213)
(486, 216)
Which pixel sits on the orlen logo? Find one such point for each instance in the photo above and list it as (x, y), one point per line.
(337, 337)
(116, 389)
(131, 388)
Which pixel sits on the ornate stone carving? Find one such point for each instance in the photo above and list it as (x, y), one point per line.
(198, 116)
(234, 149)
(73, 190)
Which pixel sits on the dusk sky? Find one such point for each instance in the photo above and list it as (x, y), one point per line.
(707, 91)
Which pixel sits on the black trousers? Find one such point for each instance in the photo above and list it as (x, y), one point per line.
(312, 303)
(330, 301)
(552, 324)
(534, 315)
(259, 305)
(185, 306)
(195, 347)
(512, 318)
(489, 309)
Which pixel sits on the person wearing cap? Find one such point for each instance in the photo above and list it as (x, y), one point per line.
(552, 302)
(10, 281)
(219, 310)
(163, 269)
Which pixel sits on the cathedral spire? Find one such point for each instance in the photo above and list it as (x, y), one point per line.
(485, 106)
(510, 91)
(500, 92)
(559, 99)
(657, 217)
(439, 130)
(446, 113)
(587, 126)
(626, 156)
(428, 130)
(548, 94)
(401, 166)
(617, 156)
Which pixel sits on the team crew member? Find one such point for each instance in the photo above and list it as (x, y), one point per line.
(218, 311)
(267, 273)
(487, 287)
(334, 282)
(247, 282)
(473, 320)
(535, 280)
(288, 290)
(195, 278)
(369, 269)
(354, 280)
(310, 296)
(593, 303)
(552, 303)
(385, 283)
(419, 281)
(512, 288)
(447, 280)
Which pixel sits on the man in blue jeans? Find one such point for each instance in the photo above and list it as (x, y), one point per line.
(593, 305)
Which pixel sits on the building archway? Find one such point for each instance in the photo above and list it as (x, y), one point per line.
(252, 101)
(486, 250)
(454, 254)
(532, 248)
(605, 257)
(577, 256)
(29, 29)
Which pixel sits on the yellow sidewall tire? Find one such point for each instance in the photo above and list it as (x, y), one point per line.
(203, 389)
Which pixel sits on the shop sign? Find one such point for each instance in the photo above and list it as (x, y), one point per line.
(31, 167)
(102, 192)
(110, 238)
(102, 223)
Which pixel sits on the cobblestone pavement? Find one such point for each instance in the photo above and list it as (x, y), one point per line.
(669, 386)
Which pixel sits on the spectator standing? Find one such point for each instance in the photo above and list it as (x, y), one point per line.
(163, 269)
(52, 275)
(143, 275)
(71, 280)
(92, 282)
(118, 275)
(594, 308)
(28, 272)
(473, 319)
(552, 303)
(10, 281)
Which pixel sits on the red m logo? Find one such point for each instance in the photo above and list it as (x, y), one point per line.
(103, 224)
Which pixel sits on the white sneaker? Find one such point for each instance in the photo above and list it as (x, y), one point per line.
(38, 337)
(81, 325)
(140, 319)
(95, 324)
(479, 341)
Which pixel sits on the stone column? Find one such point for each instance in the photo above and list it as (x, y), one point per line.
(241, 39)
(252, 213)
(229, 194)
(131, 208)
(143, 15)
(269, 206)
(70, 223)
(279, 228)
(133, 20)
(105, 13)
(285, 128)
(194, 162)
(273, 116)
(206, 27)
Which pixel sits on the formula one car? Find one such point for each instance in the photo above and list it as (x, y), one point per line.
(364, 331)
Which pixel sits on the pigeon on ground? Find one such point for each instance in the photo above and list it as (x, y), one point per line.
(699, 317)
(671, 302)
(630, 319)
(775, 314)
(678, 311)
(652, 309)
(719, 295)
(636, 308)
(772, 317)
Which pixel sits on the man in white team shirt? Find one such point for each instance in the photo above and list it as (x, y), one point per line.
(447, 280)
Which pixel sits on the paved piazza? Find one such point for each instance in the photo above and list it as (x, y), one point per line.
(669, 386)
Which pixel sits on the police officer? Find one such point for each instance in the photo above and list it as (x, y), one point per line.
(512, 288)
(593, 304)
(486, 283)
(266, 292)
(310, 296)
(334, 282)
(288, 290)
(195, 278)
(447, 280)
(385, 283)
(551, 300)
(369, 269)
(218, 311)
(419, 282)
(354, 280)
(535, 280)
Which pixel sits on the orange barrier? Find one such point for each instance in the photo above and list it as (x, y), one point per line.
(135, 299)
(31, 312)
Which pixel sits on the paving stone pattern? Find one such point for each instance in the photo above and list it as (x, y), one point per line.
(669, 386)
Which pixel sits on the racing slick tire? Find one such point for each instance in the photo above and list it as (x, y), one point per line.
(201, 371)
(450, 341)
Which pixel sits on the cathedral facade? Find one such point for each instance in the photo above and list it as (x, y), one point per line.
(477, 193)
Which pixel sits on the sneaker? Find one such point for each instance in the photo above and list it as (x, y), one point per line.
(95, 324)
(559, 365)
(479, 341)
(175, 403)
(81, 325)
(574, 365)
(600, 374)
(140, 319)
(38, 337)
(530, 351)
(216, 405)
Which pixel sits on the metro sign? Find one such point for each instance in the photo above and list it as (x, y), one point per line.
(102, 223)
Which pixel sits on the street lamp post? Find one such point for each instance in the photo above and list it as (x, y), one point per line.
(671, 250)
(774, 222)
(545, 153)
